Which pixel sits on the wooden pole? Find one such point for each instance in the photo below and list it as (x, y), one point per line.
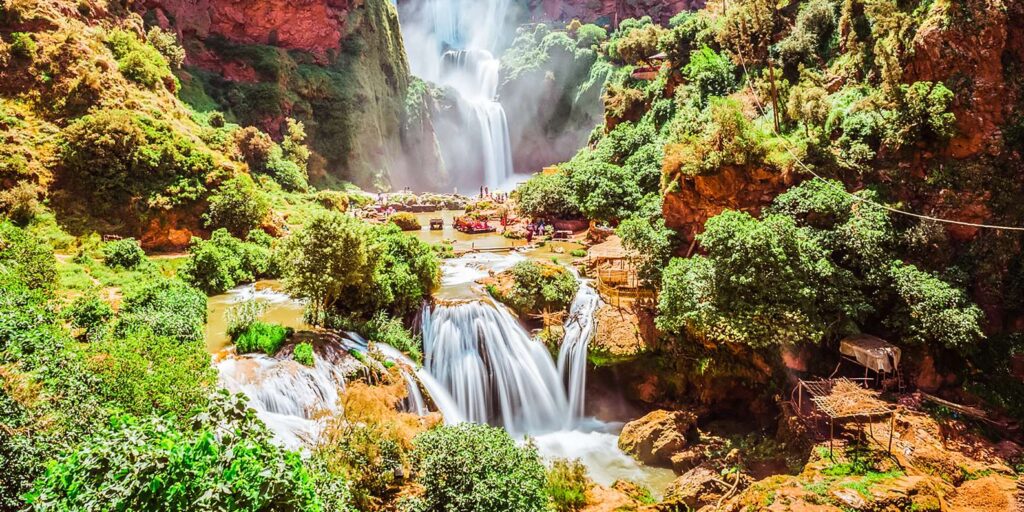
(775, 94)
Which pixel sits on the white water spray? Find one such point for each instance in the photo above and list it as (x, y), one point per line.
(451, 43)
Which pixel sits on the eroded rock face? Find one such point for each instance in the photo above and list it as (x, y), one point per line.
(315, 26)
(699, 198)
(654, 438)
(621, 334)
(702, 486)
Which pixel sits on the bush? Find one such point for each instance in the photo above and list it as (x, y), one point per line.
(712, 73)
(288, 174)
(470, 467)
(544, 196)
(406, 221)
(138, 372)
(27, 259)
(239, 317)
(590, 35)
(238, 206)
(727, 139)
(224, 460)
(539, 287)
(138, 60)
(333, 200)
(223, 262)
(126, 254)
(22, 45)
(932, 312)
(921, 113)
(303, 354)
(390, 331)
(578, 253)
(167, 307)
(167, 44)
(567, 485)
(261, 337)
(89, 313)
(255, 148)
(115, 156)
(637, 44)
(21, 202)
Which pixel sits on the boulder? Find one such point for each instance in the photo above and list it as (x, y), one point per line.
(703, 486)
(654, 438)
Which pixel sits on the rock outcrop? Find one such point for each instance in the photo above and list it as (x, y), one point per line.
(654, 438)
(694, 200)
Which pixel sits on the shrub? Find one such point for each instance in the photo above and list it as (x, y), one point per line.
(115, 156)
(138, 60)
(126, 254)
(303, 354)
(21, 202)
(406, 221)
(22, 45)
(390, 331)
(638, 44)
(224, 460)
(167, 44)
(139, 372)
(261, 337)
(26, 258)
(288, 174)
(567, 485)
(239, 317)
(578, 253)
(90, 313)
(238, 206)
(168, 307)
(255, 148)
(223, 261)
(712, 73)
(333, 200)
(543, 196)
(470, 467)
(933, 312)
(538, 286)
(728, 138)
(590, 35)
(921, 113)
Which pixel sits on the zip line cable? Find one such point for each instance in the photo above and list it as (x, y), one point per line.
(762, 111)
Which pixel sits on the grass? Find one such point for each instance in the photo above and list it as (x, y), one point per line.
(261, 337)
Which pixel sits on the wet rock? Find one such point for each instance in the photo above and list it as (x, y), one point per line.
(654, 438)
(704, 486)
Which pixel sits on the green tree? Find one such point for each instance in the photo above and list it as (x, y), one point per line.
(26, 258)
(931, 311)
(470, 467)
(126, 254)
(239, 206)
(920, 114)
(223, 261)
(711, 72)
(544, 196)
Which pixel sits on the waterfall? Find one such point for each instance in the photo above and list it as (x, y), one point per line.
(492, 368)
(572, 356)
(451, 43)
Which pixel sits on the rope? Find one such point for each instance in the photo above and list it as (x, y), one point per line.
(762, 111)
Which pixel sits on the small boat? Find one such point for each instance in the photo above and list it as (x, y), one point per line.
(473, 227)
(436, 224)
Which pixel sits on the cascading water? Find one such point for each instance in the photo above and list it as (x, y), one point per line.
(451, 43)
(492, 368)
(572, 356)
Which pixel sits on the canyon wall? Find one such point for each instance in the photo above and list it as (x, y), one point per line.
(339, 66)
(609, 12)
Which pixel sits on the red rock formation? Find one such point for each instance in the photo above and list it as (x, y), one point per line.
(316, 26)
(699, 198)
(972, 50)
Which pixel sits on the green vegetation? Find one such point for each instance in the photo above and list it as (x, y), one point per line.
(538, 287)
(126, 254)
(406, 221)
(261, 337)
(223, 261)
(567, 485)
(544, 196)
(238, 206)
(140, 61)
(470, 467)
(303, 354)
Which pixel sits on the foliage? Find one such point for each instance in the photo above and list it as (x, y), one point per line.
(921, 113)
(808, 104)
(762, 283)
(932, 311)
(115, 156)
(567, 485)
(637, 45)
(125, 253)
(590, 35)
(22, 45)
(543, 196)
(470, 467)
(240, 316)
(140, 373)
(20, 203)
(167, 44)
(811, 38)
(138, 60)
(26, 258)
(727, 139)
(167, 307)
(238, 206)
(333, 200)
(390, 331)
(261, 337)
(406, 221)
(645, 234)
(223, 261)
(746, 29)
(538, 286)
(711, 72)
(303, 354)
(223, 460)
(89, 313)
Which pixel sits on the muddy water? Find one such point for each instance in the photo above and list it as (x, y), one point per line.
(281, 309)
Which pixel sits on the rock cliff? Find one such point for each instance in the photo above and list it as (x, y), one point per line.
(610, 11)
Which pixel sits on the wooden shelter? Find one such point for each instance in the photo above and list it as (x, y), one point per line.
(842, 401)
(615, 272)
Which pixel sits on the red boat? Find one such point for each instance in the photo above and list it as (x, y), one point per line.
(473, 226)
